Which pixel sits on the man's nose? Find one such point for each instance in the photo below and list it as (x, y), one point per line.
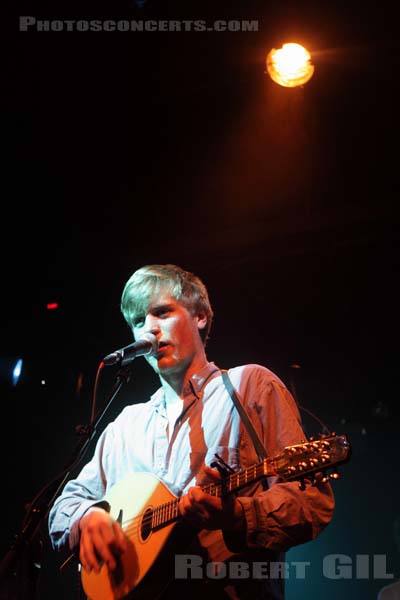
(152, 325)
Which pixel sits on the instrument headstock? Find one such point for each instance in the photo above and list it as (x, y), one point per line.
(313, 459)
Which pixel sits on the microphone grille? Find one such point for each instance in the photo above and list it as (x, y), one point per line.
(150, 337)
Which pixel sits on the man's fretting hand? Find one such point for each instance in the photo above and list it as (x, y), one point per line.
(204, 511)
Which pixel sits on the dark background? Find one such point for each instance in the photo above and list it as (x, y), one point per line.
(124, 149)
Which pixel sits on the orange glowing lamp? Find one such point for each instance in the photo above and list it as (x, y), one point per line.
(290, 66)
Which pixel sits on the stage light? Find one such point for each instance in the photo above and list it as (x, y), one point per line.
(290, 66)
(52, 305)
(16, 374)
(11, 369)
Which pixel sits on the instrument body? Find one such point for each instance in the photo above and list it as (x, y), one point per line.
(148, 513)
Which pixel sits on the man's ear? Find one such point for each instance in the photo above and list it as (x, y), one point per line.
(201, 320)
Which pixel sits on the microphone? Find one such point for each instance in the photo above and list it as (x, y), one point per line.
(146, 345)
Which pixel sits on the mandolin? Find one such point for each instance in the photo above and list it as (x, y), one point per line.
(148, 511)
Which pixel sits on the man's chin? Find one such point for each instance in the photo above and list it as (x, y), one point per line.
(162, 364)
(166, 366)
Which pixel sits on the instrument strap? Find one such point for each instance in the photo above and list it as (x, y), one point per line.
(261, 452)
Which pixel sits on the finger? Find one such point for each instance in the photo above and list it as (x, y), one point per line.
(201, 509)
(191, 511)
(182, 506)
(202, 500)
(89, 558)
(108, 544)
(212, 473)
(121, 539)
(99, 544)
(89, 526)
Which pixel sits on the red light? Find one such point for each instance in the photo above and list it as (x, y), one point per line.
(52, 305)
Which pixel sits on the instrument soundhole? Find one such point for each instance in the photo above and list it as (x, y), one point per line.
(145, 528)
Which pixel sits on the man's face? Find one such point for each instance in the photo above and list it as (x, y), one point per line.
(177, 333)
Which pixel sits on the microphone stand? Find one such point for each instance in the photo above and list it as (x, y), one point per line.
(27, 543)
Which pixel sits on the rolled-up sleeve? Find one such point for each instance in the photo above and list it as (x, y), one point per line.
(283, 515)
(77, 497)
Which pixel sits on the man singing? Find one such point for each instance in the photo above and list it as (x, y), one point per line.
(176, 435)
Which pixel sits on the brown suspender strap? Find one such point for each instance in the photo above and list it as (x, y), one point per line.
(261, 452)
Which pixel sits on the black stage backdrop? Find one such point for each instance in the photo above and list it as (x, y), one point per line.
(128, 148)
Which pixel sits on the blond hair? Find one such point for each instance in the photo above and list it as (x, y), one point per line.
(184, 286)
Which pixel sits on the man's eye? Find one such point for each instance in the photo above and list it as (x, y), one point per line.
(163, 312)
(139, 322)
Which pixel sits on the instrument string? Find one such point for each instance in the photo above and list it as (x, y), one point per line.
(152, 518)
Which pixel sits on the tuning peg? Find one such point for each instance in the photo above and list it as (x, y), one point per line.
(325, 477)
(334, 474)
(311, 439)
(302, 484)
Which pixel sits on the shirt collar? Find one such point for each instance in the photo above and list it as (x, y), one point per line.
(195, 385)
(198, 380)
